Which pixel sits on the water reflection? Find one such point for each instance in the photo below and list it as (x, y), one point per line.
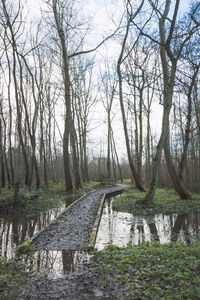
(55, 264)
(120, 228)
(17, 229)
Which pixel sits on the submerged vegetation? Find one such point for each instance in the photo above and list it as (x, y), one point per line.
(170, 271)
(165, 201)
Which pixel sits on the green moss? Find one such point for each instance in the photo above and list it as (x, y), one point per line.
(127, 181)
(26, 243)
(92, 236)
(90, 247)
(189, 195)
(32, 202)
(25, 249)
(165, 201)
(169, 271)
(89, 184)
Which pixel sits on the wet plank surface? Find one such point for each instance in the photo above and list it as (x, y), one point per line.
(72, 230)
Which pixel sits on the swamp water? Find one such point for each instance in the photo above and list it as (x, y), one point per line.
(120, 229)
(116, 228)
(17, 229)
(55, 264)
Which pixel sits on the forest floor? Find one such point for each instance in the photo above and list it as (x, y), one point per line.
(32, 202)
(166, 201)
(170, 271)
(155, 271)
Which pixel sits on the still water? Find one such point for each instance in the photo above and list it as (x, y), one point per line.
(116, 228)
(56, 264)
(19, 228)
(120, 229)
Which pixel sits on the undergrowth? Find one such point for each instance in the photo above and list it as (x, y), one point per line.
(31, 202)
(165, 201)
(170, 271)
(12, 275)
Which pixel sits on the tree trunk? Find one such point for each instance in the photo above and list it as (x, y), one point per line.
(3, 179)
(139, 161)
(120, 60)
(178, 185)
(66, 81)
(10, 158)
(118, 164)
(85, 161)
(157, 158)
(188, 125)
(108, 164)
(66, 160)
(168, 83)
(130, 158)
(75, 159)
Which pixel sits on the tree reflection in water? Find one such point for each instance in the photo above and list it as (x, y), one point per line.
(115, 228)
(154, 231)
(17, 229)
(55, 264)
(121, 228)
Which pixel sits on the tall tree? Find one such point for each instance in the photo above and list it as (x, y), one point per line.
(67, 25)
(109, 84)
(170, 52)
(58, 16)
(130, 17)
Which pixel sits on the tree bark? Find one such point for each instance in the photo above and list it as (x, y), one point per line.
(118, 163)
(130, 158)
(75, 159)
(66, 81)
(169, 73)
(120, 60)
(178, 185)
(188, 125)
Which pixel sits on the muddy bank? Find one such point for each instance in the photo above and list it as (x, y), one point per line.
(72, 230)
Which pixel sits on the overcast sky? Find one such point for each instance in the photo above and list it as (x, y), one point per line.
(103, 15)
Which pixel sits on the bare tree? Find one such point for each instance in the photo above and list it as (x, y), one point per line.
(108, 91)
(130, 17)
(170, 54)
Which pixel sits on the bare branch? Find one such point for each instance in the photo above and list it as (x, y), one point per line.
(93, 49)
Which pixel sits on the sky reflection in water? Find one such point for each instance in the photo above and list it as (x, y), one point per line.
(56, 264)
(120, 228)
(116, 228)
(19, 228)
